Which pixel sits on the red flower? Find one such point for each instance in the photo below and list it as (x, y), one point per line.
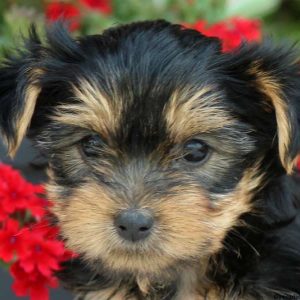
(35, 284)
(12, 189)
(200, 26)
(16, 194)
(33, 270)
(43, 254)
(65, 11)
(37, 206)
(232, 32)
(104, 6)
(34, 248)
(11, 243)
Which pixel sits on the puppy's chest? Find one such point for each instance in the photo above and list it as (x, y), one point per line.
(132, 292)
(122, 294)
(185, 287)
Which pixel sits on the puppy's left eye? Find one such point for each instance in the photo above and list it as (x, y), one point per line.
(91, 144)
(195, 151)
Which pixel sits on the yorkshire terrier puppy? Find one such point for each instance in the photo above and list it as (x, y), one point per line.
(171, 164)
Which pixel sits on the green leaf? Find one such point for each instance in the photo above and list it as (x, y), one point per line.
(3, 265)
(250, 8)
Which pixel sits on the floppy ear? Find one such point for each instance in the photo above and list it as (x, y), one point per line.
(272, 75)
(19, 89)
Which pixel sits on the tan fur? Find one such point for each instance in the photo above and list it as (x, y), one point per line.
(24, 119)
(187, 287)
(273, 90)
(94, 111)
(108, 294)
(99, 222)
(94, 234)
(228, 209)
(144, 284)
(189, 112)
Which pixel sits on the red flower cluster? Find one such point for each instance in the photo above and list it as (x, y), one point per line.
(103, 6)
(64, 11)
(232, 32)
(72, 12)
(28, 242)
(17, 195)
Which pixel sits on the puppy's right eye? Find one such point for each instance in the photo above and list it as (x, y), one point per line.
(196, 151)
(91, 144)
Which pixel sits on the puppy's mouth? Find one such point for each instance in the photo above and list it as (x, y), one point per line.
(137, 259)
(136, 245)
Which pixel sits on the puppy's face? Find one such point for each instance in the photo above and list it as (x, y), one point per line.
(141, 183)
(157, 142)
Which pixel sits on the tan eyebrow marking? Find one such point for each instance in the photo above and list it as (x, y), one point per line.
(94, 110)
(188, 114)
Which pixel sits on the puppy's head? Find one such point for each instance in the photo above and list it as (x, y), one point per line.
(157, 141)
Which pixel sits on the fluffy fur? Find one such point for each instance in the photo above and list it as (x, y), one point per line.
(228, 228)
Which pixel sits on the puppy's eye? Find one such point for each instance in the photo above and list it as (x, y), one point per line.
(91, 144)
(195, 151)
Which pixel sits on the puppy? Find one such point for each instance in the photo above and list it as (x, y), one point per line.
(171, 164)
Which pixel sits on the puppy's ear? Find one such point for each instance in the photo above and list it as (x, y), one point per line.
(272, 77)
(19, 90)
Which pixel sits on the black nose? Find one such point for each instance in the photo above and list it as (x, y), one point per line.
(134, 225)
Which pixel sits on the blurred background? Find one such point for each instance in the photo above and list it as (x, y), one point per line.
(231, 20)
(279, 18)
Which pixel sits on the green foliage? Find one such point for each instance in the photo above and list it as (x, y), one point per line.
(251, 8)
(280, 18)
